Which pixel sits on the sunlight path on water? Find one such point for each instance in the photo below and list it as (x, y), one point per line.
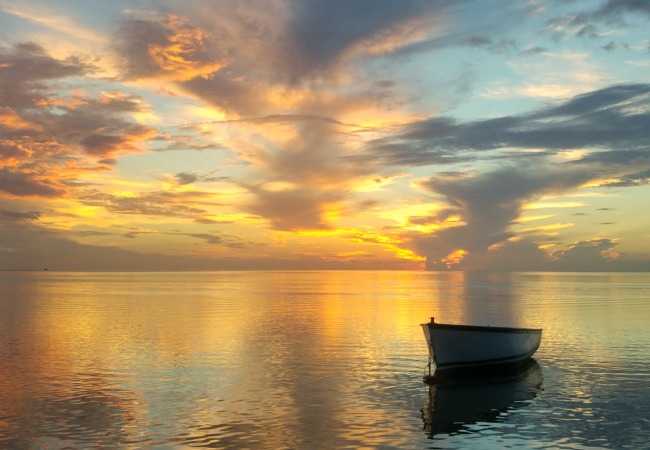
(315, 360)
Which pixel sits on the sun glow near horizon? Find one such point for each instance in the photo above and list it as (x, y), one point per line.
(195, 136)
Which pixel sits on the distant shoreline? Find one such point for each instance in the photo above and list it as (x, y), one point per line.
(316, 270)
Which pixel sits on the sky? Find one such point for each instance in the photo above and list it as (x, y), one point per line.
(307, 134)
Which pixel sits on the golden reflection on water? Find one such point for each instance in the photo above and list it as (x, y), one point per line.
(286, 359)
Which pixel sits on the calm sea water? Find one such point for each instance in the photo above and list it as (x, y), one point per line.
(314, 360)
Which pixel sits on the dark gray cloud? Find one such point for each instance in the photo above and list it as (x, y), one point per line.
(489, 203)
(229, 91)
(209, 238)
(589, 256)
(616, 158)
(216, 239)
(532, 51)
(185, 141)
(468, 39)
(186, 178)
(613, 117)
(617, 9)
(24, 68)
(597, 22)
(633, 179)
(612, 121)
(98, 127)
(322, 32)
(183, 178)
(493, 30)
(18, 216)
(206, 221)
(439, 217)
(92, 233)
(610, 46)
(10, 151)
(597, 255)
(26, 184)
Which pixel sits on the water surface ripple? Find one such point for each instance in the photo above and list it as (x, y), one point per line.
(314, 360)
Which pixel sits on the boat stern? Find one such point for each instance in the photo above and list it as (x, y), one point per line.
(427, 328)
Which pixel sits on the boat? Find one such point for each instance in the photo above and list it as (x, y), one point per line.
(454, 349)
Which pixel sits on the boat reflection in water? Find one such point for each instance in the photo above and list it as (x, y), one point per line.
(453, 405)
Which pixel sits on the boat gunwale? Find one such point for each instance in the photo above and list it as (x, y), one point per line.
(482, 328)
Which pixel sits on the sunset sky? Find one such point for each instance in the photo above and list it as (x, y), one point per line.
(274, 134)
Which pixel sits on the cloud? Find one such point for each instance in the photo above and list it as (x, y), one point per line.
(12, 152)
(633, 179)
(213, 53)
(489, 203)
(590, 23)
(591, 256)
(463, 39)
(46, 140)
(184, 178)
(18, 216)
(294, 209)
(299, 149)
(272, 70)
(303, 178)
(322, 33)
(183, 204)
(23, 70)
(165, 46)
(26, 184)
(595, 255)
(310, 111)
(440, 217)
(209, 238)
(250, 58)
(616, 116)
(532, 51)
(616, 158)
(494, 30)
(99, 127)
(200, 140)
(29, 247)
(613, 10)
(611, 122)
(214, 239)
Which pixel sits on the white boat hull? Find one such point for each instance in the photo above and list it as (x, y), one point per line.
(458, 346)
